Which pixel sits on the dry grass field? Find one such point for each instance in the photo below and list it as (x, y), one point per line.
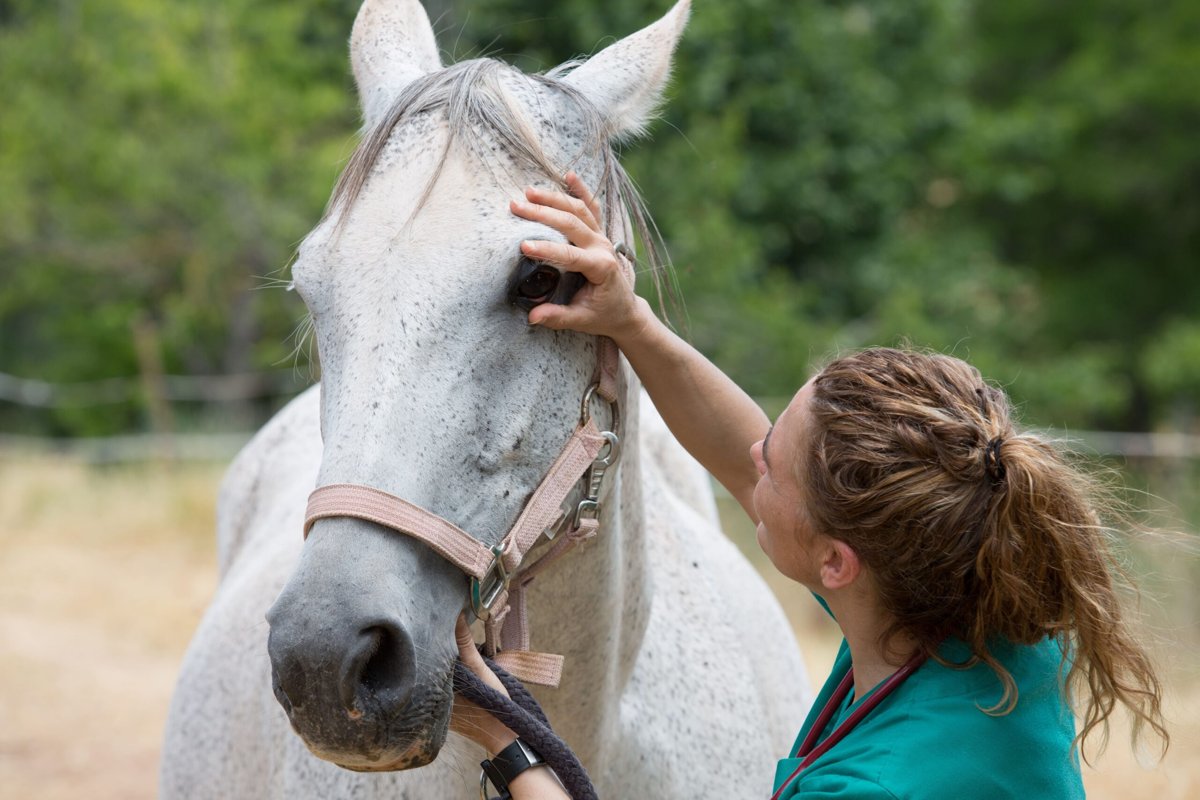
(105, 573)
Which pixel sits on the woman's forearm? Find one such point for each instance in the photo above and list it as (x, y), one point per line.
(537, 783)
(707, 412)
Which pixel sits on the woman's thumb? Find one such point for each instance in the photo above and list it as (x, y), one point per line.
(556, 317)
(466, 640)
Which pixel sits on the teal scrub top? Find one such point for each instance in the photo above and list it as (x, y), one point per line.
(930, 739)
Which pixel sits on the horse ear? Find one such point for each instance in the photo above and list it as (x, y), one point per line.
(626, 80)
(392, 45)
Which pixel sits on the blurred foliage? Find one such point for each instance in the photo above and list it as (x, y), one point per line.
(158, 160)
(1017, 183)
(1014, 182)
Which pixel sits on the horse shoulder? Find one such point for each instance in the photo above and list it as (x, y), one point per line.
(744, 676)
(688, 482)
(280, 460)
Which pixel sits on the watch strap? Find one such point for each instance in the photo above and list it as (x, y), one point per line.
(503, 768)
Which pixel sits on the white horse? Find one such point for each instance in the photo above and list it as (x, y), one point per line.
(682, 677)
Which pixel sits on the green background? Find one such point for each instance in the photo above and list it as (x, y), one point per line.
(1015, 182)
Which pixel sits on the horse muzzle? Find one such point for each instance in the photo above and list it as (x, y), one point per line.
(361, 659)
(352, 693)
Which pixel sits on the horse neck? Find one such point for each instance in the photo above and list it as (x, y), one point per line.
(593, 606)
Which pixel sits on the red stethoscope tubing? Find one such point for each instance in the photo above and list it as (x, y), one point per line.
(810, 751)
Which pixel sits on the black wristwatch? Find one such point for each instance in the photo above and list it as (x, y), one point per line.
(505, 766)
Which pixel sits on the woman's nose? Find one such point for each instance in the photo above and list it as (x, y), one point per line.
(756, 456)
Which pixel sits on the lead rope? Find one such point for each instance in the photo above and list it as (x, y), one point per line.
(522, 714)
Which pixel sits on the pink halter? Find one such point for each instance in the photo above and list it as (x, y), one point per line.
(565, 507)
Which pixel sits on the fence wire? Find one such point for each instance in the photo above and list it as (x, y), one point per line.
(176, 388)
(234, 388)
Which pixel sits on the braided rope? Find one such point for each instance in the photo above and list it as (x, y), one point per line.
(522, 714)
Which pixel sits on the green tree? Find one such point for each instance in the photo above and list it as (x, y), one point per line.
(796, 173)
(158, 160)
(1014, 182)
(1080, 164)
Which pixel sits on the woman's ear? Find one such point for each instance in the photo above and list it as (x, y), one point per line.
(840, 565)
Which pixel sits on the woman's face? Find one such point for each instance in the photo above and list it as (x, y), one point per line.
(785, 531)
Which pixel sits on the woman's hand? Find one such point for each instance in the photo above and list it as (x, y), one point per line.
(468, 719)
(606, 304)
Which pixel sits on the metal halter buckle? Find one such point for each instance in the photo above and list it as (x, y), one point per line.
(484, 592)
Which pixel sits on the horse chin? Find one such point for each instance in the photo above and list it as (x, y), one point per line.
(412, 754)
(417, 755)
(377, 741)
(413, 758)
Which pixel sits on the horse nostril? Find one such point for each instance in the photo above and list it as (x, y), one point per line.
(289, 679)
(379, 666)
(280, 694)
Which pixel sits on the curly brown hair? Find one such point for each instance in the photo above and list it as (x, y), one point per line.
(973, 528)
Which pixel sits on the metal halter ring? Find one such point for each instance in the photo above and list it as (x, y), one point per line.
(585, 408)
(484, 592)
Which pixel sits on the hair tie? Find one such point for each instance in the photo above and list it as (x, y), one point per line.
(992, 463)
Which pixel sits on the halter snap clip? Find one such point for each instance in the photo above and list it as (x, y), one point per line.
(593, 480)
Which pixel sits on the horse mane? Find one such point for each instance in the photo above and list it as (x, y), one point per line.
(474, 101)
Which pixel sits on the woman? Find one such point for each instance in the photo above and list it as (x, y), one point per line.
(963, 559)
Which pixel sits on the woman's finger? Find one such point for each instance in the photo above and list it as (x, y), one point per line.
(560, 318)
(566, 223)
(466, 639)
(471, 721)
(581, 190)
(469, 655)
(564, 202)
(595, 265)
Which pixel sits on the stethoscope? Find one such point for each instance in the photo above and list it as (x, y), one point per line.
(810, 751)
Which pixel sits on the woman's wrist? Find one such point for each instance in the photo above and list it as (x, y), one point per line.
(630, 335)
(495, 738)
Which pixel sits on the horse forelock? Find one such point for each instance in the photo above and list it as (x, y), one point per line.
(481, 112)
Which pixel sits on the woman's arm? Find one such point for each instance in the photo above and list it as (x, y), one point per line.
(711, 416)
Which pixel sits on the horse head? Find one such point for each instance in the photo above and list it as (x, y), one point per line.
(434, 389)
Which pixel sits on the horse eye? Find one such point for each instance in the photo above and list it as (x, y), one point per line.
(540, 284)
(533, 284)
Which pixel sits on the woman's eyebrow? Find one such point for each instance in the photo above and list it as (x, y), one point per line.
(766, 439)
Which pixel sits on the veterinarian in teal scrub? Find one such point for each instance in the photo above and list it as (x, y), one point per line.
(963, 558)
